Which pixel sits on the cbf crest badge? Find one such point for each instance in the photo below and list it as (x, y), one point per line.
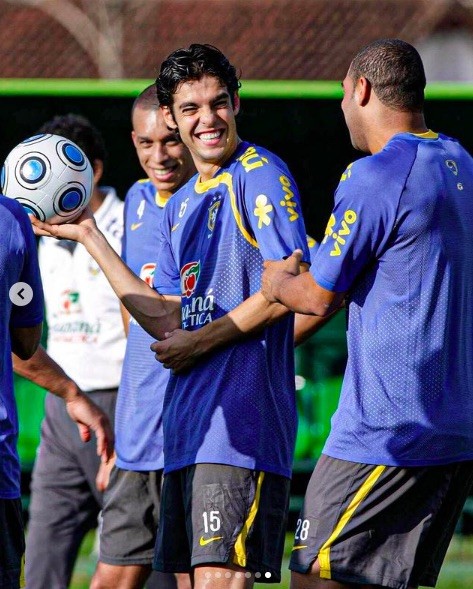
(213, 210)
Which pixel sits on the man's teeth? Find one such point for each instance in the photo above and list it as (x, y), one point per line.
(209, 136)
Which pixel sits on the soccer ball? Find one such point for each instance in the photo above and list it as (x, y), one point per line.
(50, 176)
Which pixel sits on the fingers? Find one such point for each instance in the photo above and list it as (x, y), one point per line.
(101, 480)
(157, 345)
(293, 262)
(40, 228)
(104, 445)
(84, 432)
(104, 436)
(295, 258)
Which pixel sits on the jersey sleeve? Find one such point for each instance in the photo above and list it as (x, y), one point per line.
(31, 314)
(166, 279)
(360, 225)
(272, 205)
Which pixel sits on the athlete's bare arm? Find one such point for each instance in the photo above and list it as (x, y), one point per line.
(282, 283)
(45, 372)
(181, 349)
(25, 340)
(155, 313)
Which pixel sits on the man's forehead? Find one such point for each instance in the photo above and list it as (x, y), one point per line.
(151, 123)
(207, 81)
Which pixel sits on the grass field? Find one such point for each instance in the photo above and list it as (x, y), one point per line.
(457, 571)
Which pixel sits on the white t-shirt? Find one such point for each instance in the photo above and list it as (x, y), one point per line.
(85, 329)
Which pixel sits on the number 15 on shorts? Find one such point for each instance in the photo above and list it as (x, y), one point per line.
(212, 525)
(212, 521)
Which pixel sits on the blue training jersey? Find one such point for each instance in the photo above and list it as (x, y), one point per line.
(18, 263)
(237, 405)
(400, 242)
(138, 416)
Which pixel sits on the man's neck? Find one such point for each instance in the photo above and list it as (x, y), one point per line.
(395, 123)
(208, 170)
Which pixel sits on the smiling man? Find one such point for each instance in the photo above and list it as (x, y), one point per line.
(230, 421)
(227, 472)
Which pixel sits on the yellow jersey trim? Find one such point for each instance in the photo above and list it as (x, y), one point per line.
(240, 547)
(226, 178)
(427, 135)
(324, 554)
(161, 200)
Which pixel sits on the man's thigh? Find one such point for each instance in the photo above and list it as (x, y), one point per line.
(218, 514)
(129, 518)
(378, 525)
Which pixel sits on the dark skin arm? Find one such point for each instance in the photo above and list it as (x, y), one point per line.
(306, 325)
(181, 349)
(46, 373)
(282, 283)
(25, 340)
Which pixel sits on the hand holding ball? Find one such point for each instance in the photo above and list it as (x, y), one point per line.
(50, 176)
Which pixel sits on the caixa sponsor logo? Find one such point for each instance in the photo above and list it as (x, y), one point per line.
(147, 273)
(189, 277)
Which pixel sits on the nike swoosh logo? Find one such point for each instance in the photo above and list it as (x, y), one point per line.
(135, 226)
(298, 547)
(204, 542)
(174, 227)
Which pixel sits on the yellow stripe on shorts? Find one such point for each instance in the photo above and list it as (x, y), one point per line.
(324, 554)
(22, 572)
(240, 544)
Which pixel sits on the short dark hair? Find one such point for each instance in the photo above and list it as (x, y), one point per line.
(147, 99)
(192, 64)
(395, 71)
(79, 130)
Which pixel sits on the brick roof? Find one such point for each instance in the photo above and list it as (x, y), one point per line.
(266, 39)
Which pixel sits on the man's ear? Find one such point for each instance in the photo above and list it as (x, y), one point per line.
(236, 103)
(363, 91)
(169, 118)
(98, 170)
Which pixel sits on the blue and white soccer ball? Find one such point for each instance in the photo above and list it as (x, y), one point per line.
(50, 176)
